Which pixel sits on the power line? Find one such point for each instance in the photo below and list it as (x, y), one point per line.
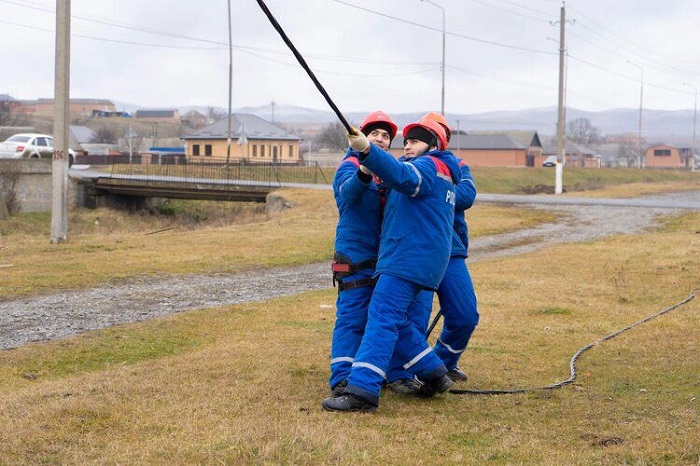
(453, 34)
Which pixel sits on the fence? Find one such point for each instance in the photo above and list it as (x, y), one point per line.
(177, 169)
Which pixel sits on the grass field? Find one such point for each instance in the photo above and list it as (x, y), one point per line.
(243, 384)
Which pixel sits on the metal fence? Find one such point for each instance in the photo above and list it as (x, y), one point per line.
(238, 171)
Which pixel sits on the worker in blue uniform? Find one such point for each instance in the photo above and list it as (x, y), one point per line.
(413, 255)
(456, 294)
(360, 199)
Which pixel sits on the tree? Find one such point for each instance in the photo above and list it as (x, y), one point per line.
(332, 136)
(581, 131)
(628, 152)
(105, 135)
(215, 114)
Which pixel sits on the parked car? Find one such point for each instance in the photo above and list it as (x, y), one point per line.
(30, 146)
(550, 161)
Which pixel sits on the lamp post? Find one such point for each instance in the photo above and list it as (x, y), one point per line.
(641, 100)
(442, 66)
(695, 115)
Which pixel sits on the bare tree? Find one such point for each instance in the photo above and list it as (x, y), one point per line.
(105, 135)
(215, 114)
(628, 152)
(581, 131)
(332, 136)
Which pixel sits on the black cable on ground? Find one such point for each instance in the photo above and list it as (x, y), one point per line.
(302, 62)
(572, 363)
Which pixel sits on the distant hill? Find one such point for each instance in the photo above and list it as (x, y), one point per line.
(657, 125)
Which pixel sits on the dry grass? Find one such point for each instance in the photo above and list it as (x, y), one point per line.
(197, 237)
(243, 384)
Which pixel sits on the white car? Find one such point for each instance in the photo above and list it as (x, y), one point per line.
(550, 161)
(30, 146)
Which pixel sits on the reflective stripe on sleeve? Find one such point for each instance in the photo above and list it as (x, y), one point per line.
(420, 180)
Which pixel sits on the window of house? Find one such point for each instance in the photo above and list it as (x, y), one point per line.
(255, 150)
(291, 151)
(207, 150)
(262, 151)
(195, 149)
(662, 152)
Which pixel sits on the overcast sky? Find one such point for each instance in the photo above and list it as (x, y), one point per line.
(368, 54)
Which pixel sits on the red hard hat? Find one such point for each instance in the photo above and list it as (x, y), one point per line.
(435, 127)
(440, 118)
(380, 117)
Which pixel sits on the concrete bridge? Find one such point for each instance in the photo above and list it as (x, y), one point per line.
(27, 184)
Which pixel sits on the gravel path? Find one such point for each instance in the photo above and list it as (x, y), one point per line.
(64, 314)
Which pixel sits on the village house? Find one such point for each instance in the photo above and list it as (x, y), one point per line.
(668, 156)
(82, 107)
(170, 115)
(576, 155)
(252, 139)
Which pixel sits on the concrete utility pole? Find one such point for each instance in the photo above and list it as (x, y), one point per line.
(695, 118)
(561, 117)
(59, 166)
(640, 158)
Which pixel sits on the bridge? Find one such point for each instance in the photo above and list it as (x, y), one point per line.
(238, 180)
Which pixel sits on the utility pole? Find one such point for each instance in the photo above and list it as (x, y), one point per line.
(230, 85)
(695, 117)
(442, 65)
(640, 164)
(59, 166)
(561, 118)
(272, 107)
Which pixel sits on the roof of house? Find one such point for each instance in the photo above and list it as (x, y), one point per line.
(253, 126)
(527, 138)
(169, 113)
(81, 134)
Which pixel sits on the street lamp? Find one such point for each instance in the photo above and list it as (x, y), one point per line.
(442, 66)
(641, 97)
(695, 115)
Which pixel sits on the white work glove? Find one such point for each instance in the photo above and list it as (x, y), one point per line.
(358, 141)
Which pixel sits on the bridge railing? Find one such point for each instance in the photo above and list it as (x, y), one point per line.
(241, 172)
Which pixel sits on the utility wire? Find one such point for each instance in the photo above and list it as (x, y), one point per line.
(453, 34)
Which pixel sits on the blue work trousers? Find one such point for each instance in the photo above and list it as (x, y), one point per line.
(388, 318)
(459, 310)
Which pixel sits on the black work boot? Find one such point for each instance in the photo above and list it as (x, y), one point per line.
(340, 387)
(405, 387)
(348, 403)
(457, 375)
(432, 386)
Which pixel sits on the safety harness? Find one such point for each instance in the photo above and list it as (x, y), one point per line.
(343, 268)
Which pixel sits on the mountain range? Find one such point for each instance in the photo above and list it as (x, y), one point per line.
(657, 125)
(670, 126)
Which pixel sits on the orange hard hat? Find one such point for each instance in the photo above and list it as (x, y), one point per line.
(380, 117)
(432, 126)
(440, 118)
